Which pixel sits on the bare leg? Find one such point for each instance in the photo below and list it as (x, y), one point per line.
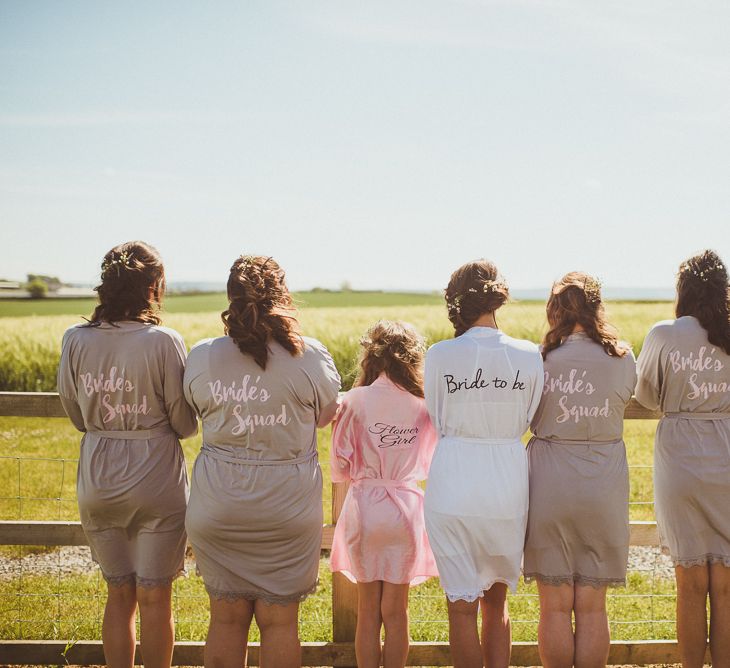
(466, 652)
(555, 638)
(227, 640)
(280, 647)
(394, 610)
(720, 615)
(369, 620)
(692, 588)
(117, 630)
(496, 629)
(157, 629)
(592, 636)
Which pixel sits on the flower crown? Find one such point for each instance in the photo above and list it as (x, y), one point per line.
(490, 285)
(117, 260)
(703, 274)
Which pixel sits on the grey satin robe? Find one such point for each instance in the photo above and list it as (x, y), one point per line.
(578, 523)
(122, 385)
(255, 513)
(688, 378)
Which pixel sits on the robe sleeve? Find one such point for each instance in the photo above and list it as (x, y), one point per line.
(536, 390)
(431, 389)
(428, 445)
(325, 380)
(67, 384)
(190, 376)
(631, 376)
(344, 436)
(650, 372)
(179, 413)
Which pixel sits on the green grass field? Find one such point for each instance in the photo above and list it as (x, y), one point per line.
(37, 467)
(216, 301)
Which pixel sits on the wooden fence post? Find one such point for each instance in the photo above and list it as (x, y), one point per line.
(344, 592)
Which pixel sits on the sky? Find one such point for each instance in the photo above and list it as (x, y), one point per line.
(382, 143)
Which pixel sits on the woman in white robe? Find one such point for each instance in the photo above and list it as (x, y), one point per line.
(482, 389)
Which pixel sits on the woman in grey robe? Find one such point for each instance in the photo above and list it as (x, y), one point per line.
(578, 524)
(120, 382)
(255, 513)
(684, 370)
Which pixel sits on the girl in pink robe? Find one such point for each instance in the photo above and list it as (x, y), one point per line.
(382, 442)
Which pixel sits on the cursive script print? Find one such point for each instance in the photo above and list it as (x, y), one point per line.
(699, 361)
(103, 382)
(392, 435)
(577, 411)
(252, 420)
(479, 383)
(703, 389)
(243, 393)
(703, 362)
(108, 385)
(574, 384)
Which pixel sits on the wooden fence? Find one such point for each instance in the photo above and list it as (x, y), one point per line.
(340, 652)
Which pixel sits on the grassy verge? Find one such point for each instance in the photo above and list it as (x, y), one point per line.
(48, 607)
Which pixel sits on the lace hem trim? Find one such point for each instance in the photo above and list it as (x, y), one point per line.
(703, 560)
(574, 579)
(145, 583)
(471, 596)
(269, 599)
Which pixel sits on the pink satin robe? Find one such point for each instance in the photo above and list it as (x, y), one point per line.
(382, 442)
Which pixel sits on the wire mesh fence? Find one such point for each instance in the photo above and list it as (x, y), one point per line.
(58, 593)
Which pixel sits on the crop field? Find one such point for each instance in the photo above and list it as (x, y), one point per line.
(37, 467)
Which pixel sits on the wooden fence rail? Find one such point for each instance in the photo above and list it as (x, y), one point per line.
(340, 652)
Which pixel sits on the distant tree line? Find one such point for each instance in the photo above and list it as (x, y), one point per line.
(39, 285)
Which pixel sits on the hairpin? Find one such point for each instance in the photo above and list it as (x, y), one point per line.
(122, 259)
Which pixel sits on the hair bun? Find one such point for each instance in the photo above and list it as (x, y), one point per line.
(475, 288)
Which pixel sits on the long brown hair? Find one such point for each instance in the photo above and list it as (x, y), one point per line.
(576, 300)
(132, 285)
(703, 291)
(474, 289)
(396, 349)
(260, 309)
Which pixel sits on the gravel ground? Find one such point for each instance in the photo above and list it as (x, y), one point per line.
(70, 560)
(61, 561)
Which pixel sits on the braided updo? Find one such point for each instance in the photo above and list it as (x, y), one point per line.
(260, 309)
(703, 292)
(474, 289)
(396, 349)
(132, 285)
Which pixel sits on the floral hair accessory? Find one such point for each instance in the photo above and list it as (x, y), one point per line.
(454, 305)
(592, 288)
(494, 285)
(703, 274)
(117, 260)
